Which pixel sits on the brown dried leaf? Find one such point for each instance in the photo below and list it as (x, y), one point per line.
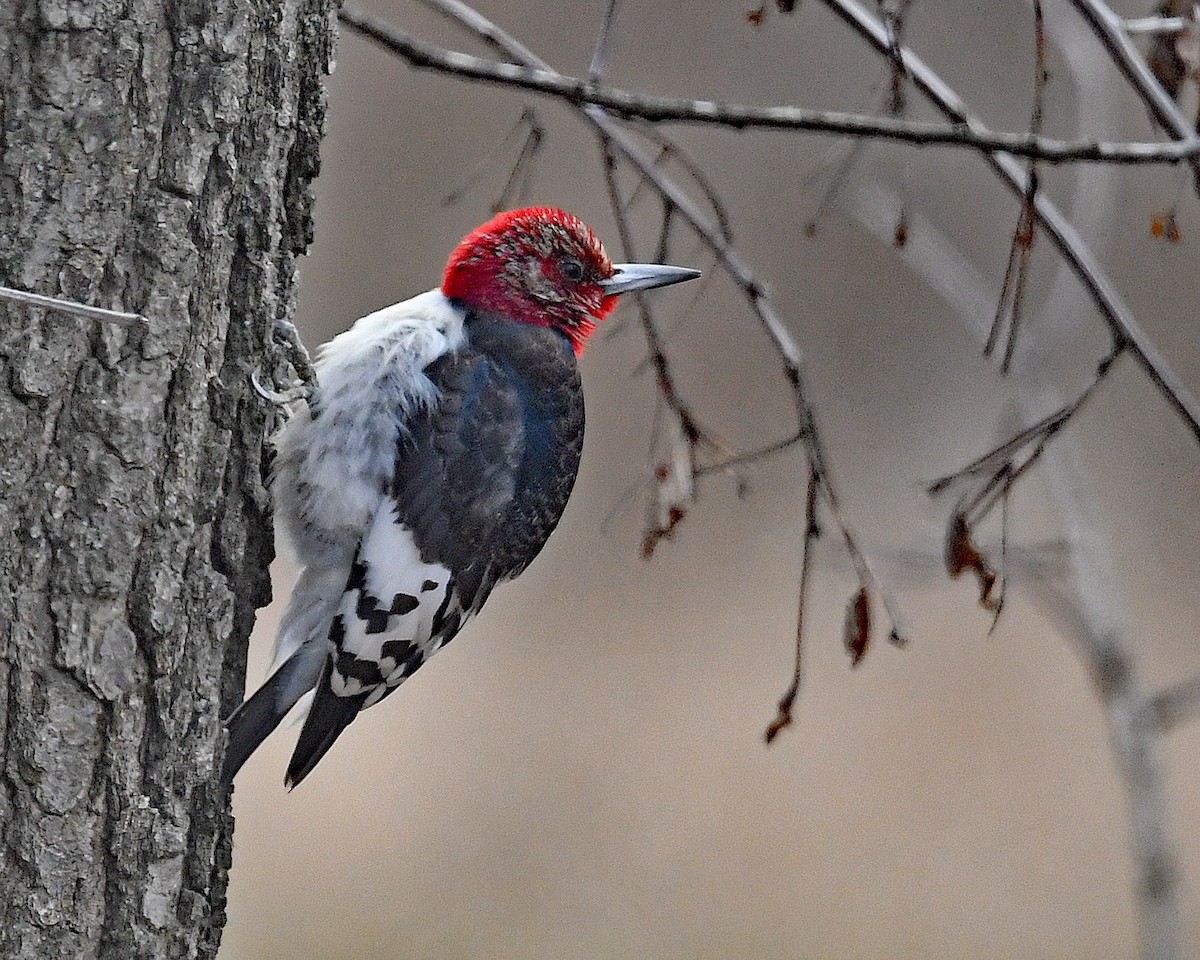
(756, 17)
(857, 631)
(783, 719)
(900, 237)
(662, 532)
(963, 555)
(1164, 226)
(1165, 59)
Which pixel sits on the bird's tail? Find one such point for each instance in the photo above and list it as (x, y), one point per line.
(298, 658)
(328, 716)
(251, 723)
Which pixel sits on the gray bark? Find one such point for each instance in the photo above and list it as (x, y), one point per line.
(155, 156)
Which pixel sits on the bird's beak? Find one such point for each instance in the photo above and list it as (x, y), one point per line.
(627, 277)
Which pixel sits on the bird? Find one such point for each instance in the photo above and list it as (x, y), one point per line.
(430, 463)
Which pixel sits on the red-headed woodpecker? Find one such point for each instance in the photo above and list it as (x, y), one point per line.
(432, 461)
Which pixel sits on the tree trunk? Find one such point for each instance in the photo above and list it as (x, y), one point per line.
(157, 157)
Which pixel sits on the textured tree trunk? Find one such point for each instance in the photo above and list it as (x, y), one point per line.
(155, 156)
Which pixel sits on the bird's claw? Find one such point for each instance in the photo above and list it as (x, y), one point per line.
(286, 332)
(281, 398)
(306, 385)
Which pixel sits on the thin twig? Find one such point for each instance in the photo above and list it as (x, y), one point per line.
(1179, 702)
(522, 167)
(599, 66)
(673, 151)
(783, 716)
(623, 103)
(838, 164)
(71, 307)
(1000, 467)
(1127, 333)
(1012, 293)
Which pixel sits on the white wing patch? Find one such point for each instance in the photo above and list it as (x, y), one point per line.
(335, 460)
(395, 613)
(333, 467)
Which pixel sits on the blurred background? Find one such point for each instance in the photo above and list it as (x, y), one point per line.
(582, 773)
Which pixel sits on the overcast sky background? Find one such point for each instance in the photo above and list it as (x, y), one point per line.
(581, 774)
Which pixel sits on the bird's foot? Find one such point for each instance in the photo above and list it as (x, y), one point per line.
(281, 398)
(306, 384)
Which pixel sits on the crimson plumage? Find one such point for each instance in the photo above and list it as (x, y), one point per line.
(430, 464)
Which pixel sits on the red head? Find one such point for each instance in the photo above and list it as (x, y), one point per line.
(537, 265)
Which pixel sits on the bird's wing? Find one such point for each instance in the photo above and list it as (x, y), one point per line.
(423, 567)
(335, 460)
(393, 613)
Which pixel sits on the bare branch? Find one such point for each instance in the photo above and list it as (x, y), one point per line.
(1177, 703)
(1126, 331)
(783, 717)
(753, 289)
(1087, 608)
(1155, 25)
(674, 479)
(1110, 30)
(629, 105)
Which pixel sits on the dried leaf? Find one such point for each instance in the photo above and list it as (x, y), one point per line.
(783, 719)
(857, 632)
(1166, 64)
(663, 531)
(963, 555)
(778, 725)
(900, 237)
(756, 17)
(1164, 226)
(674, 487)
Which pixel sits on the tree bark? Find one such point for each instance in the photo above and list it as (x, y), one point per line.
(155, 156)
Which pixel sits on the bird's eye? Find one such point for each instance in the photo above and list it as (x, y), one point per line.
(572, 270)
